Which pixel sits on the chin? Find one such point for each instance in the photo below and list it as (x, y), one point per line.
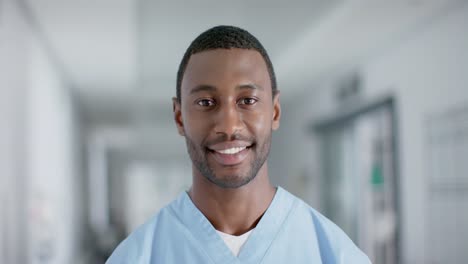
(231, 181)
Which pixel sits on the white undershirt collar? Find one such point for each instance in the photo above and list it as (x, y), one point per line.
(234, 243)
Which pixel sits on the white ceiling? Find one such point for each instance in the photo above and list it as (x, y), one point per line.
(96, 41)
(168, 30)
(122, 53)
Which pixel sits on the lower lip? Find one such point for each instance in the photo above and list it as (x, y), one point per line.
(230, 159)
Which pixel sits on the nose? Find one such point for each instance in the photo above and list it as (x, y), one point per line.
(228, 121)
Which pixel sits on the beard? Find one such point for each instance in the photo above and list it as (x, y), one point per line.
(199, 156)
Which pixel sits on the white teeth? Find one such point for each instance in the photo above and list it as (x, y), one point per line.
(231, 150)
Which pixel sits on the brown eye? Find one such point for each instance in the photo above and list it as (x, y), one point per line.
(248, 101)
(206, 102)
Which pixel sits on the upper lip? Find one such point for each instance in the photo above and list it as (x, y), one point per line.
(229, 145)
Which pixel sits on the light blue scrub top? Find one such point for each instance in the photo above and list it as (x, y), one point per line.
(290, 231)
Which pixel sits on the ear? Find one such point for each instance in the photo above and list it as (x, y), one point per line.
(276, 110)
(178, 116)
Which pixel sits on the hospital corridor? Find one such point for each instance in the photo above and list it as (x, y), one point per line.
(373, 131)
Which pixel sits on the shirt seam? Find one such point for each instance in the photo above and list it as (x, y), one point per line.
(172, 211)
(293, 206)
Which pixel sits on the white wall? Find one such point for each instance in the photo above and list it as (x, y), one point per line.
(13, 87)
(54, 182)
(40, 182)
(293, 162)
(427, 73)
(149, 186)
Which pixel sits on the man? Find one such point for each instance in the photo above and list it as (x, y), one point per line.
(227, 106)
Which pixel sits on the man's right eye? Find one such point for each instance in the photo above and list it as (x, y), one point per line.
(206, 102)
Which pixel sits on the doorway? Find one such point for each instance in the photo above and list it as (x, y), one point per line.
(359, 176)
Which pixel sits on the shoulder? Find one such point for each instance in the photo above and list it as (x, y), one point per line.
(137, 247)
(334, 244)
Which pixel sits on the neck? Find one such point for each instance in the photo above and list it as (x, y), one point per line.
(233, 211)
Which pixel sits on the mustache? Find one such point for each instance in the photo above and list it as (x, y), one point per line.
(224, 137)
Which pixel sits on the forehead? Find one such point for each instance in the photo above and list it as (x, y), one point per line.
(224, 68)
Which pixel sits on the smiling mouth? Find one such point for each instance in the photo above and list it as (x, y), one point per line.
(231, 151)
(230, 156)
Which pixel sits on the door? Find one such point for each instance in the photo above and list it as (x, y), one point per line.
(359, 177)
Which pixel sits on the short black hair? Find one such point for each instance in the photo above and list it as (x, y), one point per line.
(224, 37)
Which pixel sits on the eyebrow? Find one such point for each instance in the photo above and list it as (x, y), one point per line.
(250, 86)
(203, 88)
(210, 88)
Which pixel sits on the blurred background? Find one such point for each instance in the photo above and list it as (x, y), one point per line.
(374, 132)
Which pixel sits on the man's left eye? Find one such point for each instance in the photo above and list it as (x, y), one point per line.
(248, 101)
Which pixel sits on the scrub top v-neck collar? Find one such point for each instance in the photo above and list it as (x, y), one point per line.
(257, 244)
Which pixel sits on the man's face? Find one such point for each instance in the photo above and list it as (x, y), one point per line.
(227, 114)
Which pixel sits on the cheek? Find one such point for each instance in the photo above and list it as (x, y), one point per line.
(195, 126)
(259, 124)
